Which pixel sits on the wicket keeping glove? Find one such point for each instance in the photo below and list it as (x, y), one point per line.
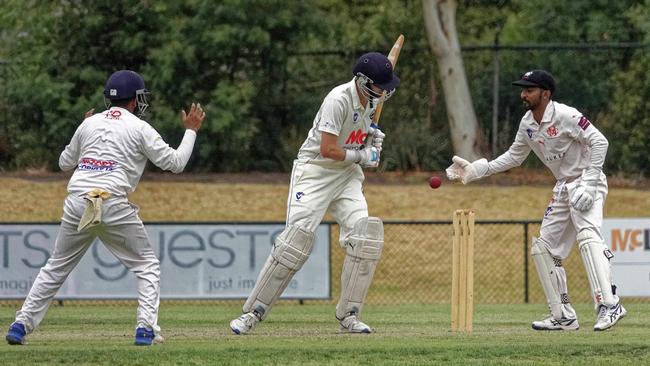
(466, 171)
(583, 196)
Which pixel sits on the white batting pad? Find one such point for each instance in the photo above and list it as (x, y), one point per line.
(290, 251)
(596, 255)
(363, 252)
(553, 278)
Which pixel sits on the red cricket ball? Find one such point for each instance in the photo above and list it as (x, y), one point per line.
(435, 182)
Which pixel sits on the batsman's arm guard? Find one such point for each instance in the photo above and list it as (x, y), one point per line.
(363, 251)
(290, 251)
(548, 271)
(595, 256)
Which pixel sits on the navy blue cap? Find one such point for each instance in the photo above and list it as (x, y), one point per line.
(123, 84)
(378, 68)
(537, 78)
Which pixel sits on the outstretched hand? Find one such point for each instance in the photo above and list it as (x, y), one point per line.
(194, 118)
(457, 169)
(466, 171)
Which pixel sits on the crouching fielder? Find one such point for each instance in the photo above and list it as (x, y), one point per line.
(108, 153)
(574, 150)
(328, 174)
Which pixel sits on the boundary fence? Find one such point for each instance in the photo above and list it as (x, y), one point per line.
(415, 267)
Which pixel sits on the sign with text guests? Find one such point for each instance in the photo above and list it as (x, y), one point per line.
(197, 261)
(629, 241)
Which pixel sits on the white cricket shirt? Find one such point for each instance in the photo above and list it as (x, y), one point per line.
(110, 150)
(340, 114)
(565, 141)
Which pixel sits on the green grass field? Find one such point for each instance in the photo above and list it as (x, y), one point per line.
(407, 334)
(198, 334)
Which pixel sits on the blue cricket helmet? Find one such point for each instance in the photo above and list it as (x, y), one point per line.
(378, 69)
(127, 84)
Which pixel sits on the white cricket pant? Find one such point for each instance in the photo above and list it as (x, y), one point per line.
(315, 189)
(562, 223)
(125, 237)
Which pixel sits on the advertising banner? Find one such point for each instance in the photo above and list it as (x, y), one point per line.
(629, 240)
(198, 261)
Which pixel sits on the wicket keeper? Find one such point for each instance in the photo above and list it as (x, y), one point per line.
(574, 150)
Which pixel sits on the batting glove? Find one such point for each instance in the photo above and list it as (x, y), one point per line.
(368, 157)
(376, 137)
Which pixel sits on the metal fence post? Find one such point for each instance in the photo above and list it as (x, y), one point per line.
(526, 262)
(495, 95)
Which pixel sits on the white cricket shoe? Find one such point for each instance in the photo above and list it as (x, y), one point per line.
(607, 317)
(551, 323)
(350, 324)
(244, 323)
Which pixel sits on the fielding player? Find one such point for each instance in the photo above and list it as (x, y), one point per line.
(327, 174)
(574, 150)
(109, 151)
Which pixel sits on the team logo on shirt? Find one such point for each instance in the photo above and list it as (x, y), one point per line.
(356, 137)
(355, 117)
(584, 123)
(299, 195)
(551, 131)
(529, 132)
(113, 114)
(97, 165)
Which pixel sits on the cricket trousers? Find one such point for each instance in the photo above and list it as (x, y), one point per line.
(316, 189)
(123, 233)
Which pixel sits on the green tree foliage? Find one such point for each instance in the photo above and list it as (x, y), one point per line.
(587, 78)
(627, 123)
(231, 56)
(60, 54)
(627, 119)
(262, 67)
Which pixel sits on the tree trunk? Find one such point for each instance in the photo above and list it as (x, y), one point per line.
(440, 23)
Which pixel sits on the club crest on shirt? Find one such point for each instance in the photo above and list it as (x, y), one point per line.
(584, 123)
(529, 132)
(551, 131)
(355, 117)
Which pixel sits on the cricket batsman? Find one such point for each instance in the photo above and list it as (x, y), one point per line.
(574, 150)
(327, 174)
(108, 153)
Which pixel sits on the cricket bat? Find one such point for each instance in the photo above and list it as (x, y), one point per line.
(393, 55)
